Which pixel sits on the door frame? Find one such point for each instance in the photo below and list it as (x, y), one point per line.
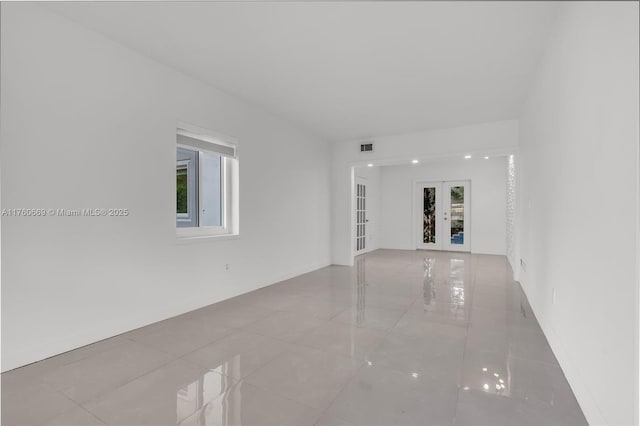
(417, 214)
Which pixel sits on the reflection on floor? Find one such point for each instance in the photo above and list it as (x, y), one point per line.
(401, 338)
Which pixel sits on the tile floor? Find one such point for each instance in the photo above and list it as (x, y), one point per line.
(402, 338)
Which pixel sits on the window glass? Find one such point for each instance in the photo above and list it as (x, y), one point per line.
(186, 188)
(211, 191)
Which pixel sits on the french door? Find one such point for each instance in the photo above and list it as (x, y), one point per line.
(361, 216)
(443, 215)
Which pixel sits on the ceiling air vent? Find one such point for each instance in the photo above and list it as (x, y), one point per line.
(366, 147)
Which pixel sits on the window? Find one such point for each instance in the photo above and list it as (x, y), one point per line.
(206, 170)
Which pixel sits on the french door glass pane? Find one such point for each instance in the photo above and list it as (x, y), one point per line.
(457, 215)
(429, 217)
(360, 217)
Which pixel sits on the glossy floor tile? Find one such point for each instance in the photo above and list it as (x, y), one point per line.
(178, 336)
(245, 404)
(103, 371)
(352, 342)
(400, 338)
(310, 376)
(285, 325)
(165, 396)
(238, 355)
(380, 396)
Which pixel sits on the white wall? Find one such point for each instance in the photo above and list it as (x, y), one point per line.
(579, 170)
(488, 201)
(496, 138)
(89, 123)
(371, 177)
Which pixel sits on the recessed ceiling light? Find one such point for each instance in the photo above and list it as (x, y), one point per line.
(414, 161)
(369, 165)
(466, 157)
(486, 157)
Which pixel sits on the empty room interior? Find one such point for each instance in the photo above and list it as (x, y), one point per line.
(319, 213)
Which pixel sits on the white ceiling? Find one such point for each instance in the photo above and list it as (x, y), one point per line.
(344, 70)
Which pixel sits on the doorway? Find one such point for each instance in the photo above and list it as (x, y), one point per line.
(443, 215)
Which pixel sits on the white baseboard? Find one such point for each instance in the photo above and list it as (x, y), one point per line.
(295, 272)
(567, 363)
(489, 252)
(515, 267)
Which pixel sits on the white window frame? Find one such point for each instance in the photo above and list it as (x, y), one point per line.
(228, 184)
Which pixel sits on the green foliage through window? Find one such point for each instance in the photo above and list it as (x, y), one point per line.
(457, 194)
(429, 217)
(181, 190)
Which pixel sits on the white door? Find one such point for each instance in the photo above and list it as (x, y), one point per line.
(443, 215)
(361, 216)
